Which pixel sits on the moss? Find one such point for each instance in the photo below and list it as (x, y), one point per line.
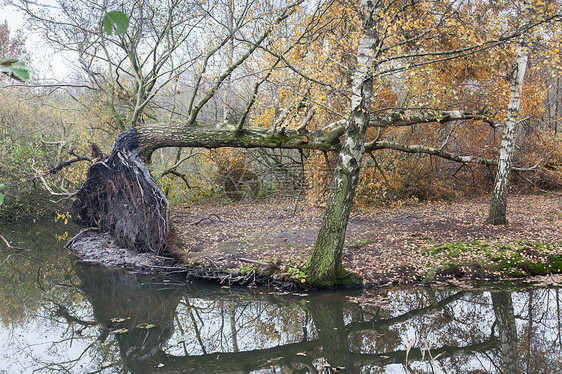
(553, 264)
(343, 279)
(557, 262)
(325, 264)
(245, 270)
(361, 242)
(535, 268)
(484, 259)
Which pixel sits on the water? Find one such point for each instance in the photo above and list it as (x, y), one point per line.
(62, 317)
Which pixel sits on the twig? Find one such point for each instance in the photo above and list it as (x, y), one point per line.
(535, 167)
(301, 190)
(552, 193)
(9, 246)
(252, 261)
(212, 262)
(6, 259)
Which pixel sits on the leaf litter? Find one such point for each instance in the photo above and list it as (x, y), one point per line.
(441, 242)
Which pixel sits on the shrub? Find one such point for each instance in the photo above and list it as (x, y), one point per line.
(234, 173)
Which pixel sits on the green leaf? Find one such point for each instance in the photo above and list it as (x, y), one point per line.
(14, 68)
(116, 19)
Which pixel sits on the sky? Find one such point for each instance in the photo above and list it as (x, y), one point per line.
(46, 63)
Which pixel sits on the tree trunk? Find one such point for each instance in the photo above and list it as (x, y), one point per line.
(325, 266)
(498, 204)
(507, 331)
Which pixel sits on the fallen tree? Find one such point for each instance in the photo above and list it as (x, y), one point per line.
(119, 195)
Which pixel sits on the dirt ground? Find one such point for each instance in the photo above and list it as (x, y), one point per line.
(384, 246)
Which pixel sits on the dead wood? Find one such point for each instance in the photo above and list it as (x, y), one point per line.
(9, 246)
(58, 167)
(253, 261)
(209, 218)
(120, 197)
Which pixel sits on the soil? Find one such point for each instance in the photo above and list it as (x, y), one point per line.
(95, 247)
(383, 246)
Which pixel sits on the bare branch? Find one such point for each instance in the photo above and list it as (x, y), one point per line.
(39, 176)
(61, 165)
(396, 119)
(254, 96)
(417, 148)
(9, 246)
(287, 11)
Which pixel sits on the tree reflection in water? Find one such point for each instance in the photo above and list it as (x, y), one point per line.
(142, 324)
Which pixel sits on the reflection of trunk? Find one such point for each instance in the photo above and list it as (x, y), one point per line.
(327, 316)
(507, 330)
(325, 266)
(116, 294)
(498, 205)
(233, 332)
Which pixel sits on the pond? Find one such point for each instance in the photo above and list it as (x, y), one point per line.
(59, 316)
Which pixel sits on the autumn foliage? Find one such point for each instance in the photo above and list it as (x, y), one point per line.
(428, 79)
(433, 56)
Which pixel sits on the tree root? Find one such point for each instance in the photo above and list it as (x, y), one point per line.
(120, 197)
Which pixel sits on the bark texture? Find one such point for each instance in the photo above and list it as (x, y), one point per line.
(325, 266)
(498, 204)
(120, 197)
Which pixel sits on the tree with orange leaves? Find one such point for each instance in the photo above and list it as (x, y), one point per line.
(350, 78)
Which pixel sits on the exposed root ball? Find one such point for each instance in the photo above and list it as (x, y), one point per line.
(120, 197)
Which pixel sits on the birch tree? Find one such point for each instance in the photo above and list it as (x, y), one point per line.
(325, 264)
(393, 37)
(498, 204)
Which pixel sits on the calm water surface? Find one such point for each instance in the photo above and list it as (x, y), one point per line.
(62, 317)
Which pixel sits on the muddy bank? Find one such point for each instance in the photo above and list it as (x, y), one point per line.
(268, 242)
(97, 248)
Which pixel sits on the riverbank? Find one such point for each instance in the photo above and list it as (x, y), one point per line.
(444, 242)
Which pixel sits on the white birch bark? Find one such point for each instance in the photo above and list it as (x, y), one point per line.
(230, 59)
(325, 266)
(498, 204)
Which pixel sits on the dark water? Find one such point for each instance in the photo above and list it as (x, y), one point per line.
(61, 317)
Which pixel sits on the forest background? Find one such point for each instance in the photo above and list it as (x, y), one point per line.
(246, 63)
